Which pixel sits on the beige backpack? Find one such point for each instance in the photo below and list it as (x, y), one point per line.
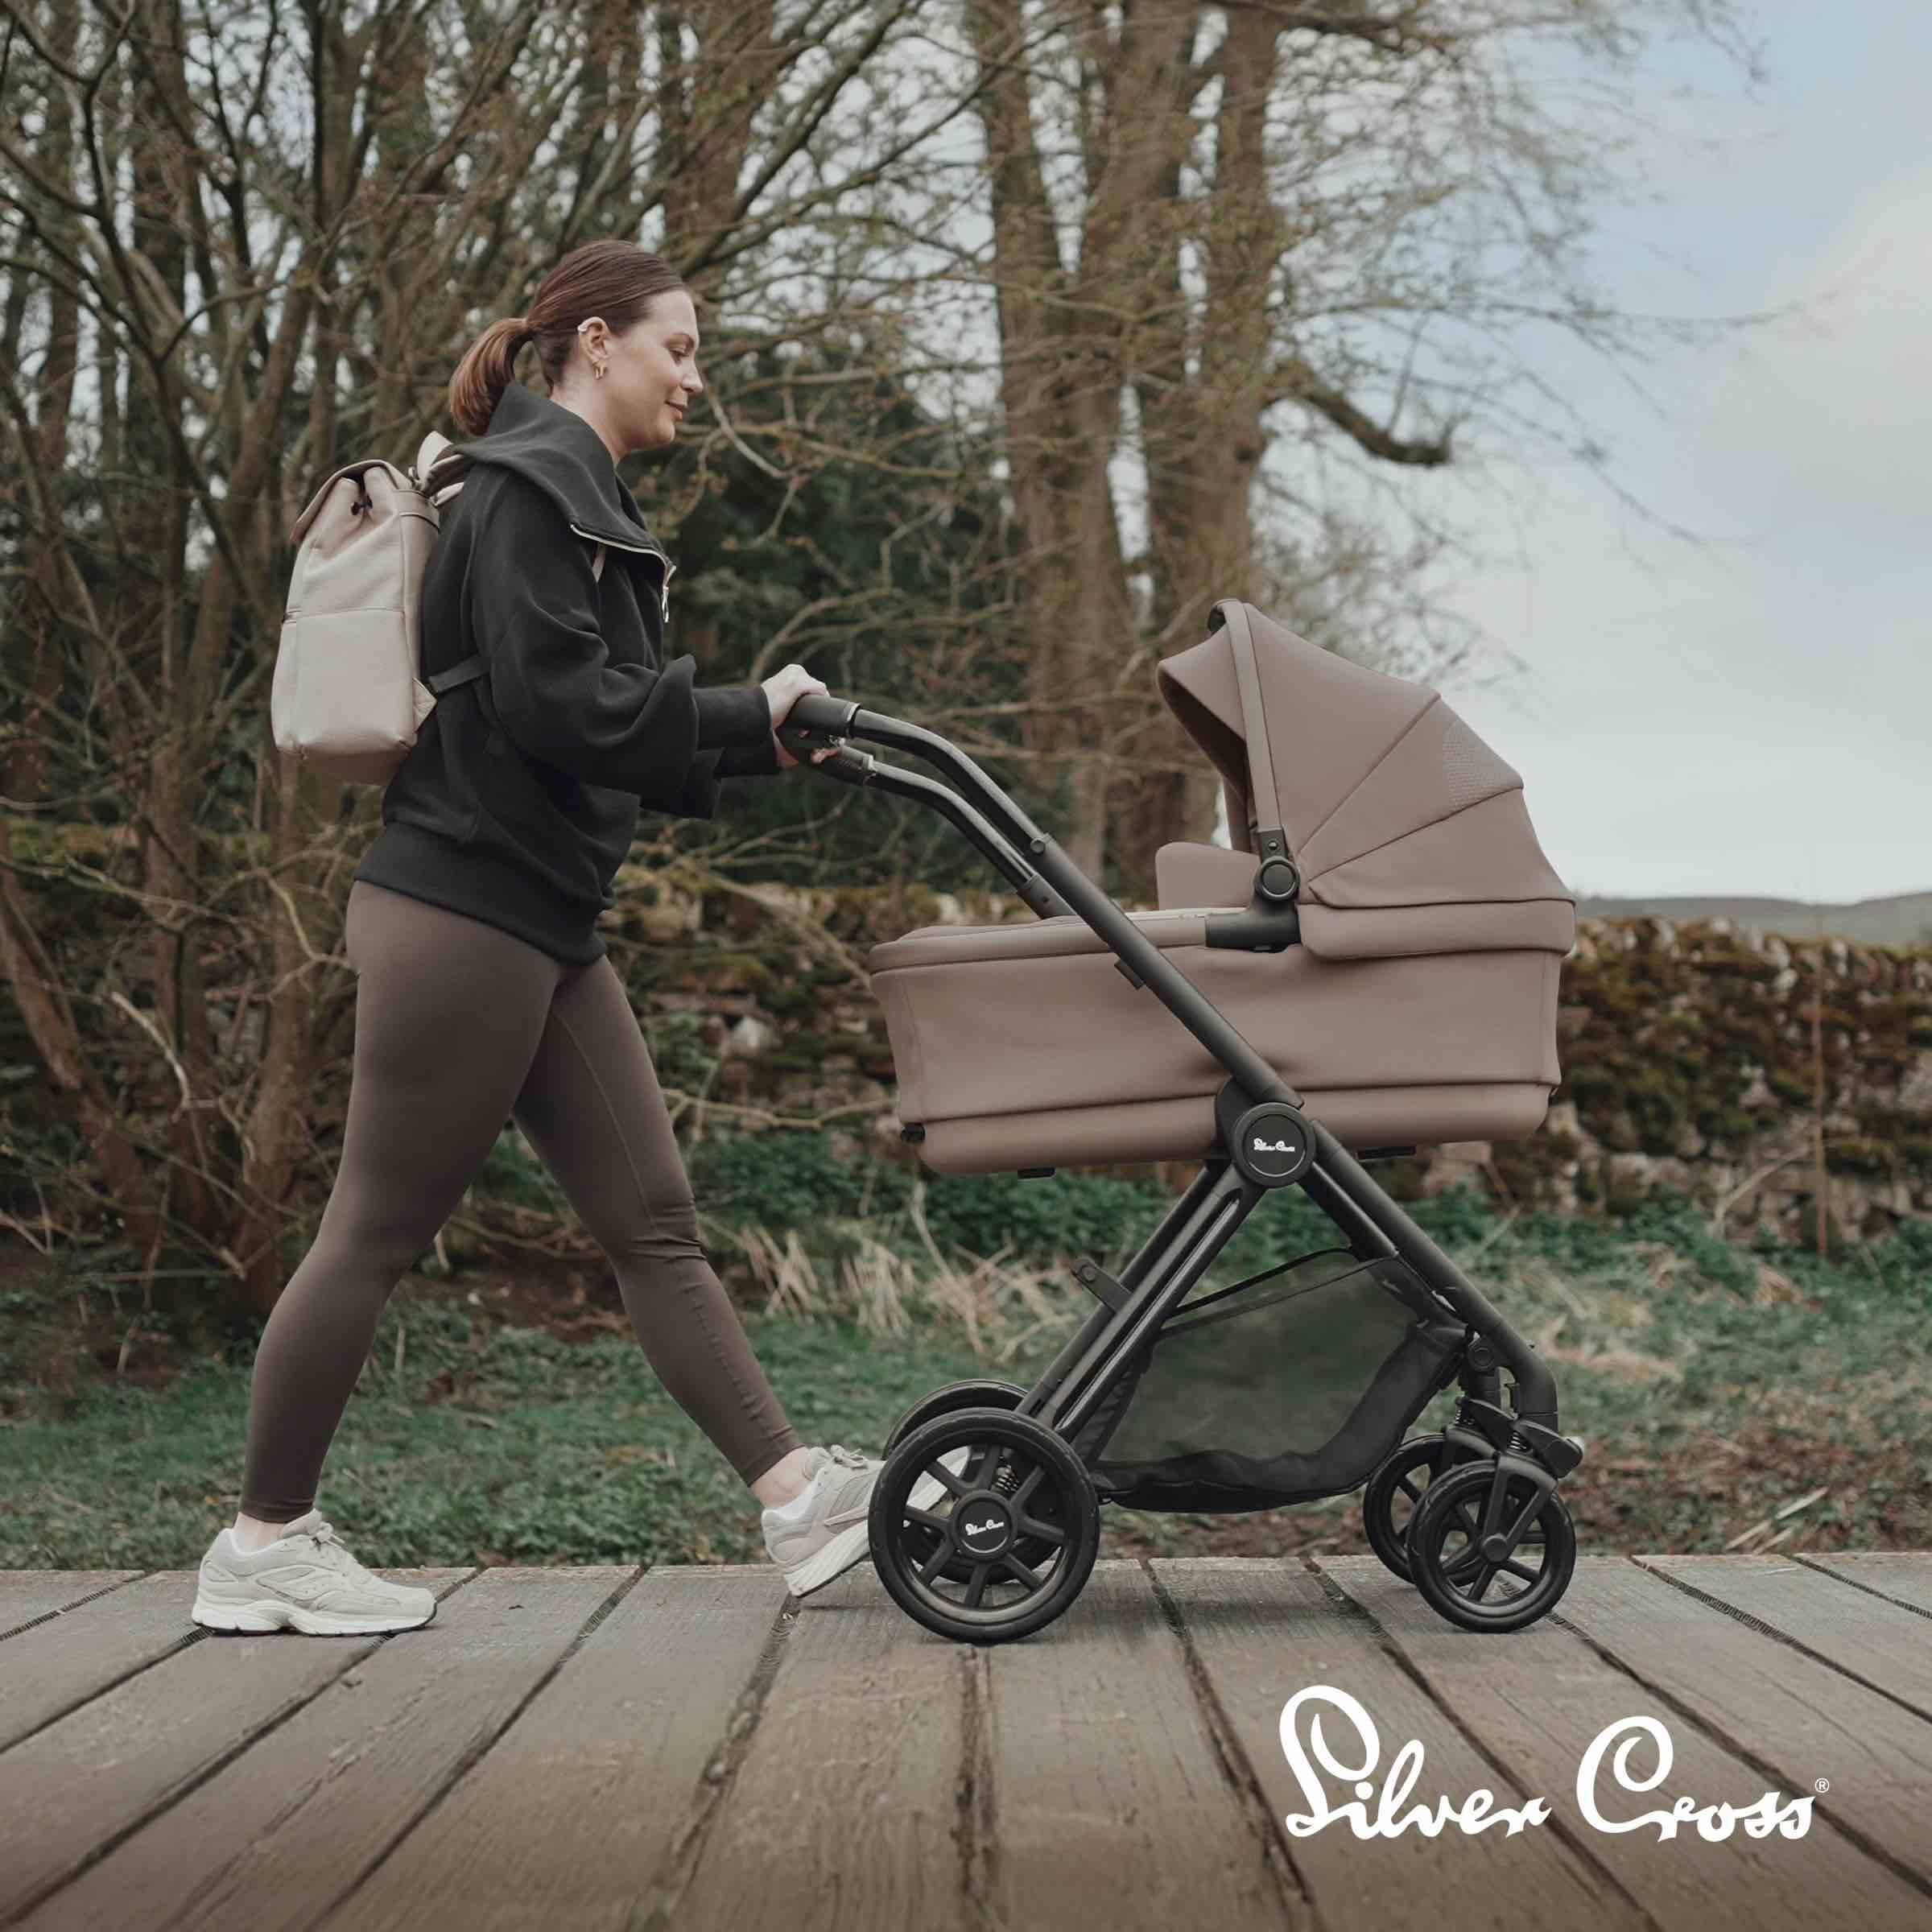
(348, 697)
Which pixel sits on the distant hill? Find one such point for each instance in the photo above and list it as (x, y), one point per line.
(1903, 920)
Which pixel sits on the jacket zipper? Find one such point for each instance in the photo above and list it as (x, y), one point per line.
(641, 549)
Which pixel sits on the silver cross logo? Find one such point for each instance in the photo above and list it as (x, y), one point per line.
(979, 1528)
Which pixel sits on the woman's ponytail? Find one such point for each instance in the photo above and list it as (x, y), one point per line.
(485, 373)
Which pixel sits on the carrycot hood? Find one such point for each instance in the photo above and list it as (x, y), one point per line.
(1387, 799)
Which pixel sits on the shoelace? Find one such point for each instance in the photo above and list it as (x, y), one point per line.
(324, 1534)
(850, 1458)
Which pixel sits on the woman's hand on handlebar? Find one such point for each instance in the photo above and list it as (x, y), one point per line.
(782, 690)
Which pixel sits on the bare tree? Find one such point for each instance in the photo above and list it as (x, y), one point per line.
(1260, 252)
(241, 243)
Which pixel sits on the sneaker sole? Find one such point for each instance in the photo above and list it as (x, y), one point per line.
(268, 1614)
(850, 1546)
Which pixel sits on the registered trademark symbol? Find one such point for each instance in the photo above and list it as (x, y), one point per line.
(1821, 1785)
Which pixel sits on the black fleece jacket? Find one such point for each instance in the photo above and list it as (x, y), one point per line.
(520, 797)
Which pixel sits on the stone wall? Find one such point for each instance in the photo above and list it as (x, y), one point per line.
(1686, 1052)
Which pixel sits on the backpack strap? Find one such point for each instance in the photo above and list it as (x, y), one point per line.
(473, 666)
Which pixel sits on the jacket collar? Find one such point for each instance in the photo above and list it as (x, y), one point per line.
(557, 450)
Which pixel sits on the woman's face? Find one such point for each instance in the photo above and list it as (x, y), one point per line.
(651, 375)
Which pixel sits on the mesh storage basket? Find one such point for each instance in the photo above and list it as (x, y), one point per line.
(1253, 1397)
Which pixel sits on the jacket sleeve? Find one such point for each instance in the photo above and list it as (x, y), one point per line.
(750, 761)
(700, 797)
(532, 607)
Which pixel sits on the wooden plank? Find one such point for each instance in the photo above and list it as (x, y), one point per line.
(26, 1595)
(1264, 1631)
(844, 1811)
(276, 1836)
(131, 1749)
(1904, 1575)
(1797, 1719)
(1881, 1644)
(55, 1665)
(572, 1814)
(1108, 1801)
(1536, 1698)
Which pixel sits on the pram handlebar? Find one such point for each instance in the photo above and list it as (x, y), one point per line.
(1024, 853)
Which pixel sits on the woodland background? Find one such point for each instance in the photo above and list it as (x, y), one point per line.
(1005, 306)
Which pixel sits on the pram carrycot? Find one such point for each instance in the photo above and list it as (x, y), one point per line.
(1418, 1006)
(1387, 935)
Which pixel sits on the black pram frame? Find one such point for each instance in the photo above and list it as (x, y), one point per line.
(1490, 1492)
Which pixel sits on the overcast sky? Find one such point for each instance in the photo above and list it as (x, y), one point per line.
(1706, 721)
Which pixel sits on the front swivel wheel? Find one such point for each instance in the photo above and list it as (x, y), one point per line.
(996, 1549)
(1491, 1548)
(1395, 1491)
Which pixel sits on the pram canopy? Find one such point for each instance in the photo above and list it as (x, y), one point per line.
(1410, 834)
(1419, 1004)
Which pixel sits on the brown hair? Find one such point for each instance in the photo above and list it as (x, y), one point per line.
(617, 280)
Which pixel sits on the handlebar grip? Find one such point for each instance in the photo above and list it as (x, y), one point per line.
(818, 711)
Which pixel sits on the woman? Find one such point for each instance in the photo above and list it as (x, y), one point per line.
(483, 988)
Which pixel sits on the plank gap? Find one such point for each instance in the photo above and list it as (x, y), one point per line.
(47, 1616)
(719, 1773)
(1244, 1783)
(472, 1757)
(1556, 1823)
(978, 1843)
(1839, 1576)
(1775, 1778)
(1784, 1636)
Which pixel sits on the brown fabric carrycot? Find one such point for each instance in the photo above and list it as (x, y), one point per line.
(1418, 1006)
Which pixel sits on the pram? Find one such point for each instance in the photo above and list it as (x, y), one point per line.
(1386, 928)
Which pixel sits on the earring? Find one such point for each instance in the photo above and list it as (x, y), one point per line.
(601, 368)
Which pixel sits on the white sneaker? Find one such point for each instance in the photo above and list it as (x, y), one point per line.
(305, 1581)
(830, 1531)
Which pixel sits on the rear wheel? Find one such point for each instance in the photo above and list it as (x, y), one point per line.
(1010, 1542)
(981, 1392)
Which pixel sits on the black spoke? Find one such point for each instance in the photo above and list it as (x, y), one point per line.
(939, 1470)
(1046, 1532)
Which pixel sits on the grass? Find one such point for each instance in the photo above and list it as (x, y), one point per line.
(1730, 1396)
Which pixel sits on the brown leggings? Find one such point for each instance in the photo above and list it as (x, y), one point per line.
(459, 1024)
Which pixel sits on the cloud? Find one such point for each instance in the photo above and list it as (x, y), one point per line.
(1839, 403)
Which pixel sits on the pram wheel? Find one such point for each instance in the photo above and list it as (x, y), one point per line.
(977, 1392)
(1009, 1545)
(1395, 1491)
(1483, 1529)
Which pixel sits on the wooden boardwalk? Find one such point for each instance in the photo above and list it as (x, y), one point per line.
(689, 1747)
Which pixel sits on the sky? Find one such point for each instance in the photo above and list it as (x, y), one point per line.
(1753, 716)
